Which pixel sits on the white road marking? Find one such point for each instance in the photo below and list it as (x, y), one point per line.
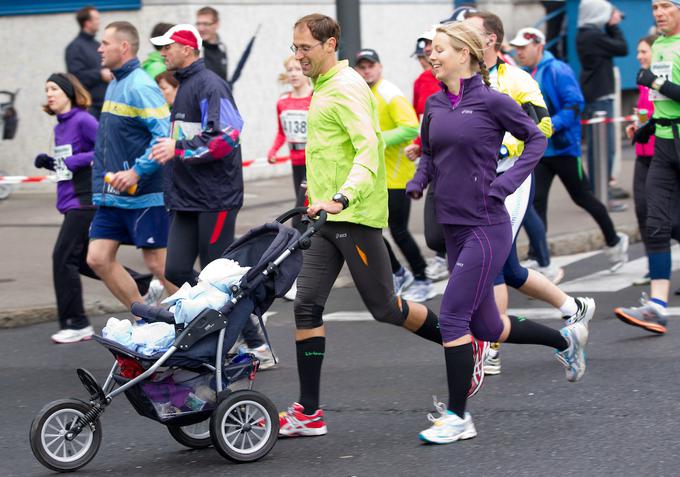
(605, 281)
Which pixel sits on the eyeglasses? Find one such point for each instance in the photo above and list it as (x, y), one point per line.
(204, 24)
(304, 48)
(532, 37)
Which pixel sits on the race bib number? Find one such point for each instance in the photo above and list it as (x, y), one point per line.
(662, 69)
(294, 124)
(61, 153)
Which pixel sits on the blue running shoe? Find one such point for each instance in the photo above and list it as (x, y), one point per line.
(574, 357)
(402, 280)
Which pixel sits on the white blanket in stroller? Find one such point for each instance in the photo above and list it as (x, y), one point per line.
(213, 290)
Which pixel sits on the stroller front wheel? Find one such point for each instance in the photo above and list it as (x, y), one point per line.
(244, 426)
(50, 441)
(195, 436)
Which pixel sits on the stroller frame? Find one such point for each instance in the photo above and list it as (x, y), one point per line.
(207, 322)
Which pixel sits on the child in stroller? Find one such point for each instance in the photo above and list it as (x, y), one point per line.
(187, 387)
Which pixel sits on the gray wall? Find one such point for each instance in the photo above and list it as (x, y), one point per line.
(35, 48)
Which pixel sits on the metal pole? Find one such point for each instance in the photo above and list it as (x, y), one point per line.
(347, 12)
(600, 174)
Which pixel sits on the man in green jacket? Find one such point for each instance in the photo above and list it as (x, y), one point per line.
(346, 178)
(154, 64)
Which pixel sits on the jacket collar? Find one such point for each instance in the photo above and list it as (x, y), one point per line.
(66, 116)
(339, 66)
(184, 73)
(468, 84)
(126, 69)
(85, 35)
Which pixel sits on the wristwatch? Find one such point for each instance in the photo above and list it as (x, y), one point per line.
(341, 199)
(658, 83)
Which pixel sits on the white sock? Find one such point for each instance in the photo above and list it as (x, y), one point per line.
(569, 307)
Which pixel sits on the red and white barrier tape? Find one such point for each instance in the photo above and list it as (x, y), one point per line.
(26, 179)
(53, 178)
(622, 119)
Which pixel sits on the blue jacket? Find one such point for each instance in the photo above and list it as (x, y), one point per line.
(564, 99)
(206, 175)
(134, 116)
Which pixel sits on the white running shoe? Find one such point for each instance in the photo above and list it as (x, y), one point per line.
(618, 254)
(292, 291)
(153, 296)
(437, 268)
(448, 427)
(492, 363)
(553, 273)
(73, 336)
(402, 280)
(419, 291)
(264, 355)
(529, 263)
(586, 310)
(574, 357)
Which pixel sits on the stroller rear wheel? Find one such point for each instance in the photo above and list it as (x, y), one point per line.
(195, 436)
(49, 438)
(245, 426)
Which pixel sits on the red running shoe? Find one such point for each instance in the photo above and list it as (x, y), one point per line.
(295, 423)
(479, 350)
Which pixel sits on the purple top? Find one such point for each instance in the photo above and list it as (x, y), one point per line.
(77, 128)
(461, 141)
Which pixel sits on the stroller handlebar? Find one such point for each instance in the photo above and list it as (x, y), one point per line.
(317, 224)
(152, 313)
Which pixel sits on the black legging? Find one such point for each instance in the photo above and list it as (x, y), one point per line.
(192, 234)
(642, 164)
(399, 206)
(661, 192)
(572, 175)
(434, 233)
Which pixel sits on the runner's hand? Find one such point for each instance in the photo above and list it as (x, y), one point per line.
(271, 159)
(123, 180)
(414, 190)
(163, 151)
(331, 207)
(412, 151)
(630, 131)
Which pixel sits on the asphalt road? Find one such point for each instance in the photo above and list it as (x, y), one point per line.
(620, 420)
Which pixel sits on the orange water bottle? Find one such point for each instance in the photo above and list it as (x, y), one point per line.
(131, 190)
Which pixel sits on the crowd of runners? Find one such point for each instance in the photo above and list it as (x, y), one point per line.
(158, 165)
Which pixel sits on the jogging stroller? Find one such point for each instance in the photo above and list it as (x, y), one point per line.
(188, 387)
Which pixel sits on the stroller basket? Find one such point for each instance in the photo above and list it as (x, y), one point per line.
(175, 395)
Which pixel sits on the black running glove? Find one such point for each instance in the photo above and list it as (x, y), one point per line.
(645, 77)
(44, 161)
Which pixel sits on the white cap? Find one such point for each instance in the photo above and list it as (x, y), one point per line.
(528, 35)
(429, 33)
(184, 34)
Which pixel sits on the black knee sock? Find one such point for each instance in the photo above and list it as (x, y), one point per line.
(459, 367)
(310, 354)
(523, 331)
(430, 329)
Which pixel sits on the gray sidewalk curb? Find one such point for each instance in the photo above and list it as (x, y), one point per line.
(566, 244)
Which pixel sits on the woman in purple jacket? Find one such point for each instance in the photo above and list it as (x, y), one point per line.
(71, 160)
(462, 132)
